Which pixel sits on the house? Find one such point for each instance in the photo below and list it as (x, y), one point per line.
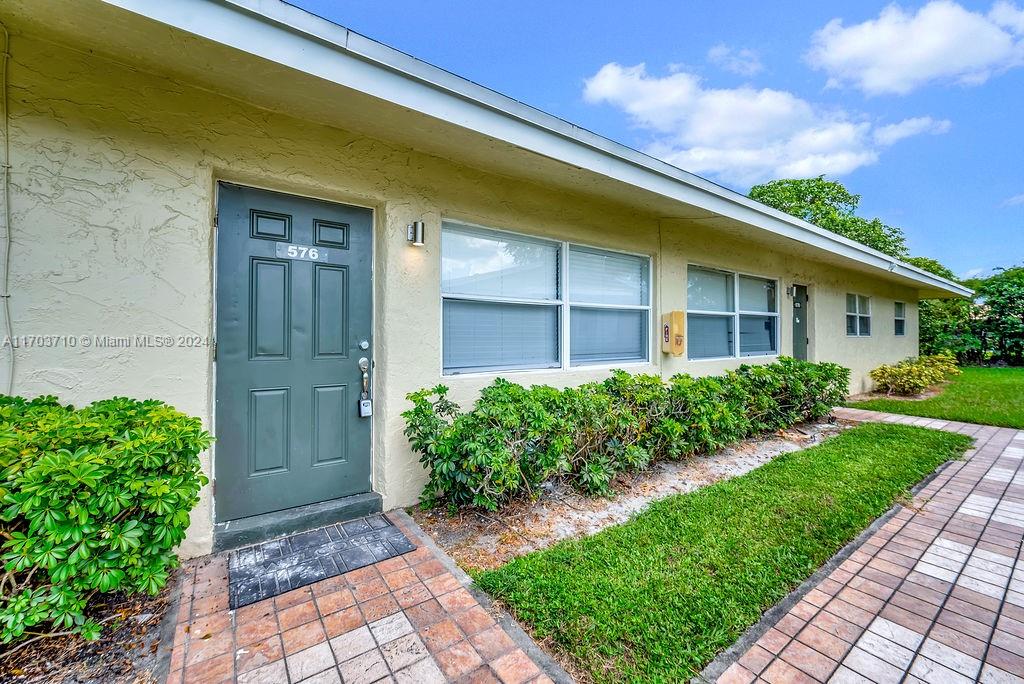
(263, 219)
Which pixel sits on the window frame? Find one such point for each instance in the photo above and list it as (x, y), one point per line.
(897, 318)
(858, 314)
(736, 314)
(563, 303)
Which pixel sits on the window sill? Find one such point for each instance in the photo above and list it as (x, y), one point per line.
(552, 370)
(735, 358)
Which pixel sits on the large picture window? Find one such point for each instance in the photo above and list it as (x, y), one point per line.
(507, 300)
(858, 315)
(729, 314)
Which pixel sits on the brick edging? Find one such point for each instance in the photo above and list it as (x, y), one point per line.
(770, 617)
(165, 631)
(548, 664)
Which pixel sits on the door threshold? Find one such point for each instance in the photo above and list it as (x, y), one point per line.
(234, 534)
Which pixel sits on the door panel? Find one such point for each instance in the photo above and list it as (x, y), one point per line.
(268, 427)
(269, 308)
(289, 326)
(800, 314)
(330, 422)
(330, 317)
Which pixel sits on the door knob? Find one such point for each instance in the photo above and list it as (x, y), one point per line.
(364, 366)
(364, 345)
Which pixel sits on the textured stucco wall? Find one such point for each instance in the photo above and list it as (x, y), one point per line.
(114, 176)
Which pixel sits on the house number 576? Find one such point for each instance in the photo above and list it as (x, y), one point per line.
(303, 252)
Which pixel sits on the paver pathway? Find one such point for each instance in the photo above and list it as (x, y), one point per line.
(935, 594)
(406, 619)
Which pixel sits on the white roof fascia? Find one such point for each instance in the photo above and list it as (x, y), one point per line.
(292, 37)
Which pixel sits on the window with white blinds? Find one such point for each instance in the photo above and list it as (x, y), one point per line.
(507, 299)
(729, 314)
(901, 319)
(609, 306)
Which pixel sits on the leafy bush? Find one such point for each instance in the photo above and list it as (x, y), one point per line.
(516, 438)
(912, 376)
(94, 499)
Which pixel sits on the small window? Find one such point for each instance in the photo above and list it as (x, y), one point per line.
(901, 319)
(730, 315)
(858, 316)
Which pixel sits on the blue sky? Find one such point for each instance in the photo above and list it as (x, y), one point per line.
(917, 107)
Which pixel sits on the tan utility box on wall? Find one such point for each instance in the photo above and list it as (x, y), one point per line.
(673, 333)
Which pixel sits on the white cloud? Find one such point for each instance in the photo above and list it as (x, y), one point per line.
(743, 135)
(972, 273)
(1009, 16)
(899, 52)
(744, 61)
(893, 133)
(1014, 201)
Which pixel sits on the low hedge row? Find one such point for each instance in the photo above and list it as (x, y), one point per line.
(515, 438)
(913, 376)
(93, 499)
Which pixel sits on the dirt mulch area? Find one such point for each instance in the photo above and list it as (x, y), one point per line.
(482, 540)
(127, 651)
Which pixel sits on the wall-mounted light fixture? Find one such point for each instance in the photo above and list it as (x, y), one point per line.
(415, 233)
(790, 291)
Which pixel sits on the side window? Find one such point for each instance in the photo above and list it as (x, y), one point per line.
(730, 315)
(901, 319)
(858, 315)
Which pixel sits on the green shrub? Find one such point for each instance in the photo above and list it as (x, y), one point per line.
(94, 499)
(912, 376)
(516, 438)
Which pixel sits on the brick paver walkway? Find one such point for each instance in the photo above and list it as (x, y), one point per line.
(936, 594)
(407, 619)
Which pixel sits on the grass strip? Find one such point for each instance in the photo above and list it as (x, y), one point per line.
(656, 598)
(989, 396)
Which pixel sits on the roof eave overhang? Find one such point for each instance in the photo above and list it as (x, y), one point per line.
(294, 38)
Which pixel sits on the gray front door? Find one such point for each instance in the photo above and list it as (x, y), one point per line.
(800, 339)
(293, 320)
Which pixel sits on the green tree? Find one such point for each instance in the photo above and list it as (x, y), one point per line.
(947, 324)
(829, 205)
(1002, 309)
(932, 266)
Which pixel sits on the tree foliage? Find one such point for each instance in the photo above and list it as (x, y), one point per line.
(829, 205)
(1002, 313)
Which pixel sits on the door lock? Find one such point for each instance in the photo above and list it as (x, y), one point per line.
(365, 404)
(364, 344)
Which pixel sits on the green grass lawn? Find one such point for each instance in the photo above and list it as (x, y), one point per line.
(990, 396)
(656, 598)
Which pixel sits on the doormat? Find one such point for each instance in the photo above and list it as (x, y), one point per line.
(279, 565)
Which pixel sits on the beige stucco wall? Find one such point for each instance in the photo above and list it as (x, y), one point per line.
(114, 176)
